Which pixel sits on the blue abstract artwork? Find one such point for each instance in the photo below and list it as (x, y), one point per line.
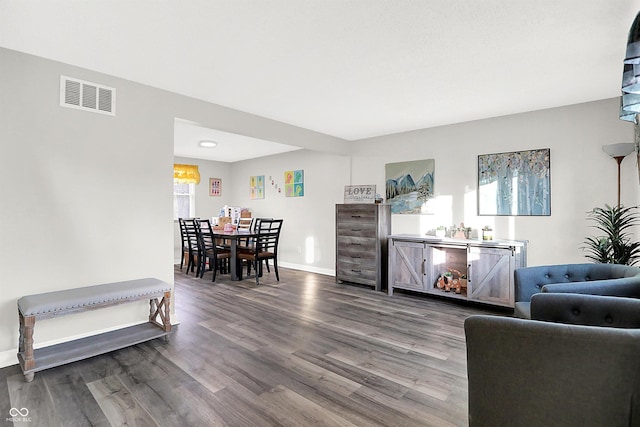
(515, 183)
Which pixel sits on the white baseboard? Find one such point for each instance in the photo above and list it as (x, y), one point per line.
(8, 358)
(309, 268)
(302, 267)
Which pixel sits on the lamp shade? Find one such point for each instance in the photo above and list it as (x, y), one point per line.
(622, 149)
(630, 101)
(629, 106)
(627, 116)
(631, 78)
(633, 43)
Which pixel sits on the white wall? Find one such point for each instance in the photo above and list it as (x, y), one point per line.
(308, 233)
(582, 175)
(84, 195)
(87, 198)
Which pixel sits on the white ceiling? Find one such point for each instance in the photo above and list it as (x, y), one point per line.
(230, 147)
(348, 68)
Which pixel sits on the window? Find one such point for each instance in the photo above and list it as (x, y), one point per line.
(183, 201)
(185, 178)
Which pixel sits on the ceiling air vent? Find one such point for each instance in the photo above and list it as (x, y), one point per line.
(87, 96)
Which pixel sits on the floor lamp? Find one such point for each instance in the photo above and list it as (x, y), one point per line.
(619, 152)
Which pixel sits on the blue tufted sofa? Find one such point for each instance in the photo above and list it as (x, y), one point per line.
(595, 279)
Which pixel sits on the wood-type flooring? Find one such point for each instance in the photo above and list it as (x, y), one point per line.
(303, 351)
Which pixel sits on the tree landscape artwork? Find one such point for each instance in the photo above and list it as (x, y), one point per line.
(516, 183)
(409, 186)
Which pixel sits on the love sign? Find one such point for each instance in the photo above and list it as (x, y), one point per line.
(359, 193)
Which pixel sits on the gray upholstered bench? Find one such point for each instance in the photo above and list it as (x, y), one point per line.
(60, 303)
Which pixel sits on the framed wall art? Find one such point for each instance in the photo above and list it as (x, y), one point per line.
(215, 186)
(294, 183)
(515, 183)
(409, 186)
(256, 187)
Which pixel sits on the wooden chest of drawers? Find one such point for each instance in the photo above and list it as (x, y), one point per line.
(361, 243)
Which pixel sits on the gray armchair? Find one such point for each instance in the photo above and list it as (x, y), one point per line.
(595, 279)
(536, 373)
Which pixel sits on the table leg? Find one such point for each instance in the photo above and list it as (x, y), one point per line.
(235, 274)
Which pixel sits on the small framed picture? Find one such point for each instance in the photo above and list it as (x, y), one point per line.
(215, 186)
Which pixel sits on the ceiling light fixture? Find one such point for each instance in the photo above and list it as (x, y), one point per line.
(208, 144)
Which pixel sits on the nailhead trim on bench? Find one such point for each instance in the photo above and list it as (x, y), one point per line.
(57, 302)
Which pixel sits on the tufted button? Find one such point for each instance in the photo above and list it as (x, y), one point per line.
(566, 276)
(587, 278)
(546, 276)
(538, 285)
(608, 319)
(575, 311)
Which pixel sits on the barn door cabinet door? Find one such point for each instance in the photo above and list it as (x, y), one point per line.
(409, 265)
(490, 273)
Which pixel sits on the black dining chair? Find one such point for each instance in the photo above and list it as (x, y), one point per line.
(265, 247)
(210, 251)
(185, 242)
(191, 232)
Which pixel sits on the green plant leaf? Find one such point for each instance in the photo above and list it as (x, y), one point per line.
(614, 246)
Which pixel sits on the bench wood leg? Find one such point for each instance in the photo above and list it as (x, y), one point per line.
(25, 345)
(162, 309)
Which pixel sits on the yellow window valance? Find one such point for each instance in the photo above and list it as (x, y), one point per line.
(186, 174)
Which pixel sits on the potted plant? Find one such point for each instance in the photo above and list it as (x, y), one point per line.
(487, 233)
(460, 232)
(615, 245)
(441, 231)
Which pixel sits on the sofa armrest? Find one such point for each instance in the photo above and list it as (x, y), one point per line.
(526, 282)
(591, 310)
(622, 287)
(527, 372)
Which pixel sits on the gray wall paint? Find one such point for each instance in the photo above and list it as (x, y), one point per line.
(87, 198)
(308, 233)
(84, 194)
(582, 175)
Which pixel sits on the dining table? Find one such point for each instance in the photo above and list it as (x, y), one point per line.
(234, 237)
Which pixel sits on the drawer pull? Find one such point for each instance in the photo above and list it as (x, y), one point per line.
(356, 216)
(356, 271)
(356, 229)
(356, 256)
(357, 244)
